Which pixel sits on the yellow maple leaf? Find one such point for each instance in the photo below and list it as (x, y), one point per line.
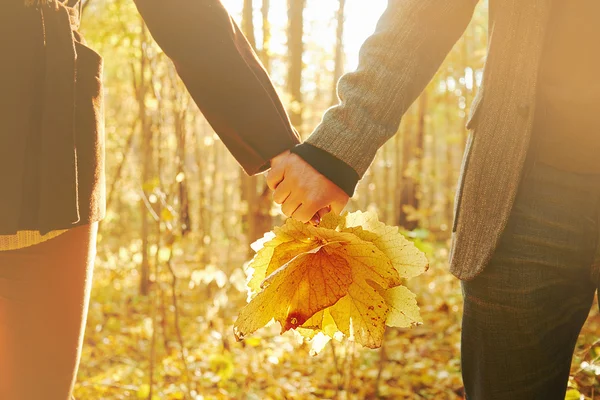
(295, 292)
(342, 277)
(361, 315)
(279, 247)
(406, 258)
(404, 311)
(294, 238)
(315, 280)
(322, 321)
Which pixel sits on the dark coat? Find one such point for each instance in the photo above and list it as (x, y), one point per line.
(51, 106)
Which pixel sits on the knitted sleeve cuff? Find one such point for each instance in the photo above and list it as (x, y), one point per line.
(334, 169)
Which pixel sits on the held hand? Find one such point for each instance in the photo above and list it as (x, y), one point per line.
(278, 159)
(304, 194)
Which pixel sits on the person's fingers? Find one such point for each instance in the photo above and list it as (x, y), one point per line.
(306, 212)
(275, 175)
(279, 158)
(290, 206)
(302, 191)
(338, 205)
(282, 192)
(324, 211)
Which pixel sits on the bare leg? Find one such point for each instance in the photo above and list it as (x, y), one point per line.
(44, 297)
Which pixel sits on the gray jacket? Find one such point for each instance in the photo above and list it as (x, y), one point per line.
(396, 63)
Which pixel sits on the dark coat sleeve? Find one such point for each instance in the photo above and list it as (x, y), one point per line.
(224, 77)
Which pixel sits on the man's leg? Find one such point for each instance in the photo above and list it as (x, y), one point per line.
(523, 314)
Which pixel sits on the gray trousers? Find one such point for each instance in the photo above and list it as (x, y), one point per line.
(524, 312)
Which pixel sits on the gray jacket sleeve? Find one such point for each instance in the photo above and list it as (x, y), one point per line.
(396, 63)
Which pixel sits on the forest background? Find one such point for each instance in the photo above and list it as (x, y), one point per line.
(169, 280)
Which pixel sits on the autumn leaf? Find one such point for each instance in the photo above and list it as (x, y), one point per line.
(399, 309)
(320, 322)
(404, 311)
(343, 276)
(295, 292)
(315, 280)
(361, 315)
(406, 258)
(277, 248)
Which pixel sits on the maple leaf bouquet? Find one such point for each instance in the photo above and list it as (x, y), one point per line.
(344, 276)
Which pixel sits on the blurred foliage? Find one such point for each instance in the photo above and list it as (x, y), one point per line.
(177, 342)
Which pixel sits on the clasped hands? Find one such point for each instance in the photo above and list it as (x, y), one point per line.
(303, 192)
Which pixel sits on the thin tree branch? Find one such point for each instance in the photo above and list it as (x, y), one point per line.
(117, 177)
(84, 6)
(176, 315)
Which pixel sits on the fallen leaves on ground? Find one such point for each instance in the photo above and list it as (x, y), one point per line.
(342, 277)
(414, 363)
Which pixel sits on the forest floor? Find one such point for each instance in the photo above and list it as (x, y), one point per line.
(121, 349)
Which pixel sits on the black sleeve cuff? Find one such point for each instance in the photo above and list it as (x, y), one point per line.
(334, 169)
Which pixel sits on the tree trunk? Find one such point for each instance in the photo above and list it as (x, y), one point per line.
(418, 153)
(407, 186)
(248, 22)
(203, 215)
(410, 187)
(296, 49)
(180, 117)
(450, 184)
(399, 178)
(146, 140)
(339, 51)
(214, 192)
(385, 187)
(265, 54)
(256, 218)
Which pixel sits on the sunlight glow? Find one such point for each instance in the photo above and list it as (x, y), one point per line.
(320, 24)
